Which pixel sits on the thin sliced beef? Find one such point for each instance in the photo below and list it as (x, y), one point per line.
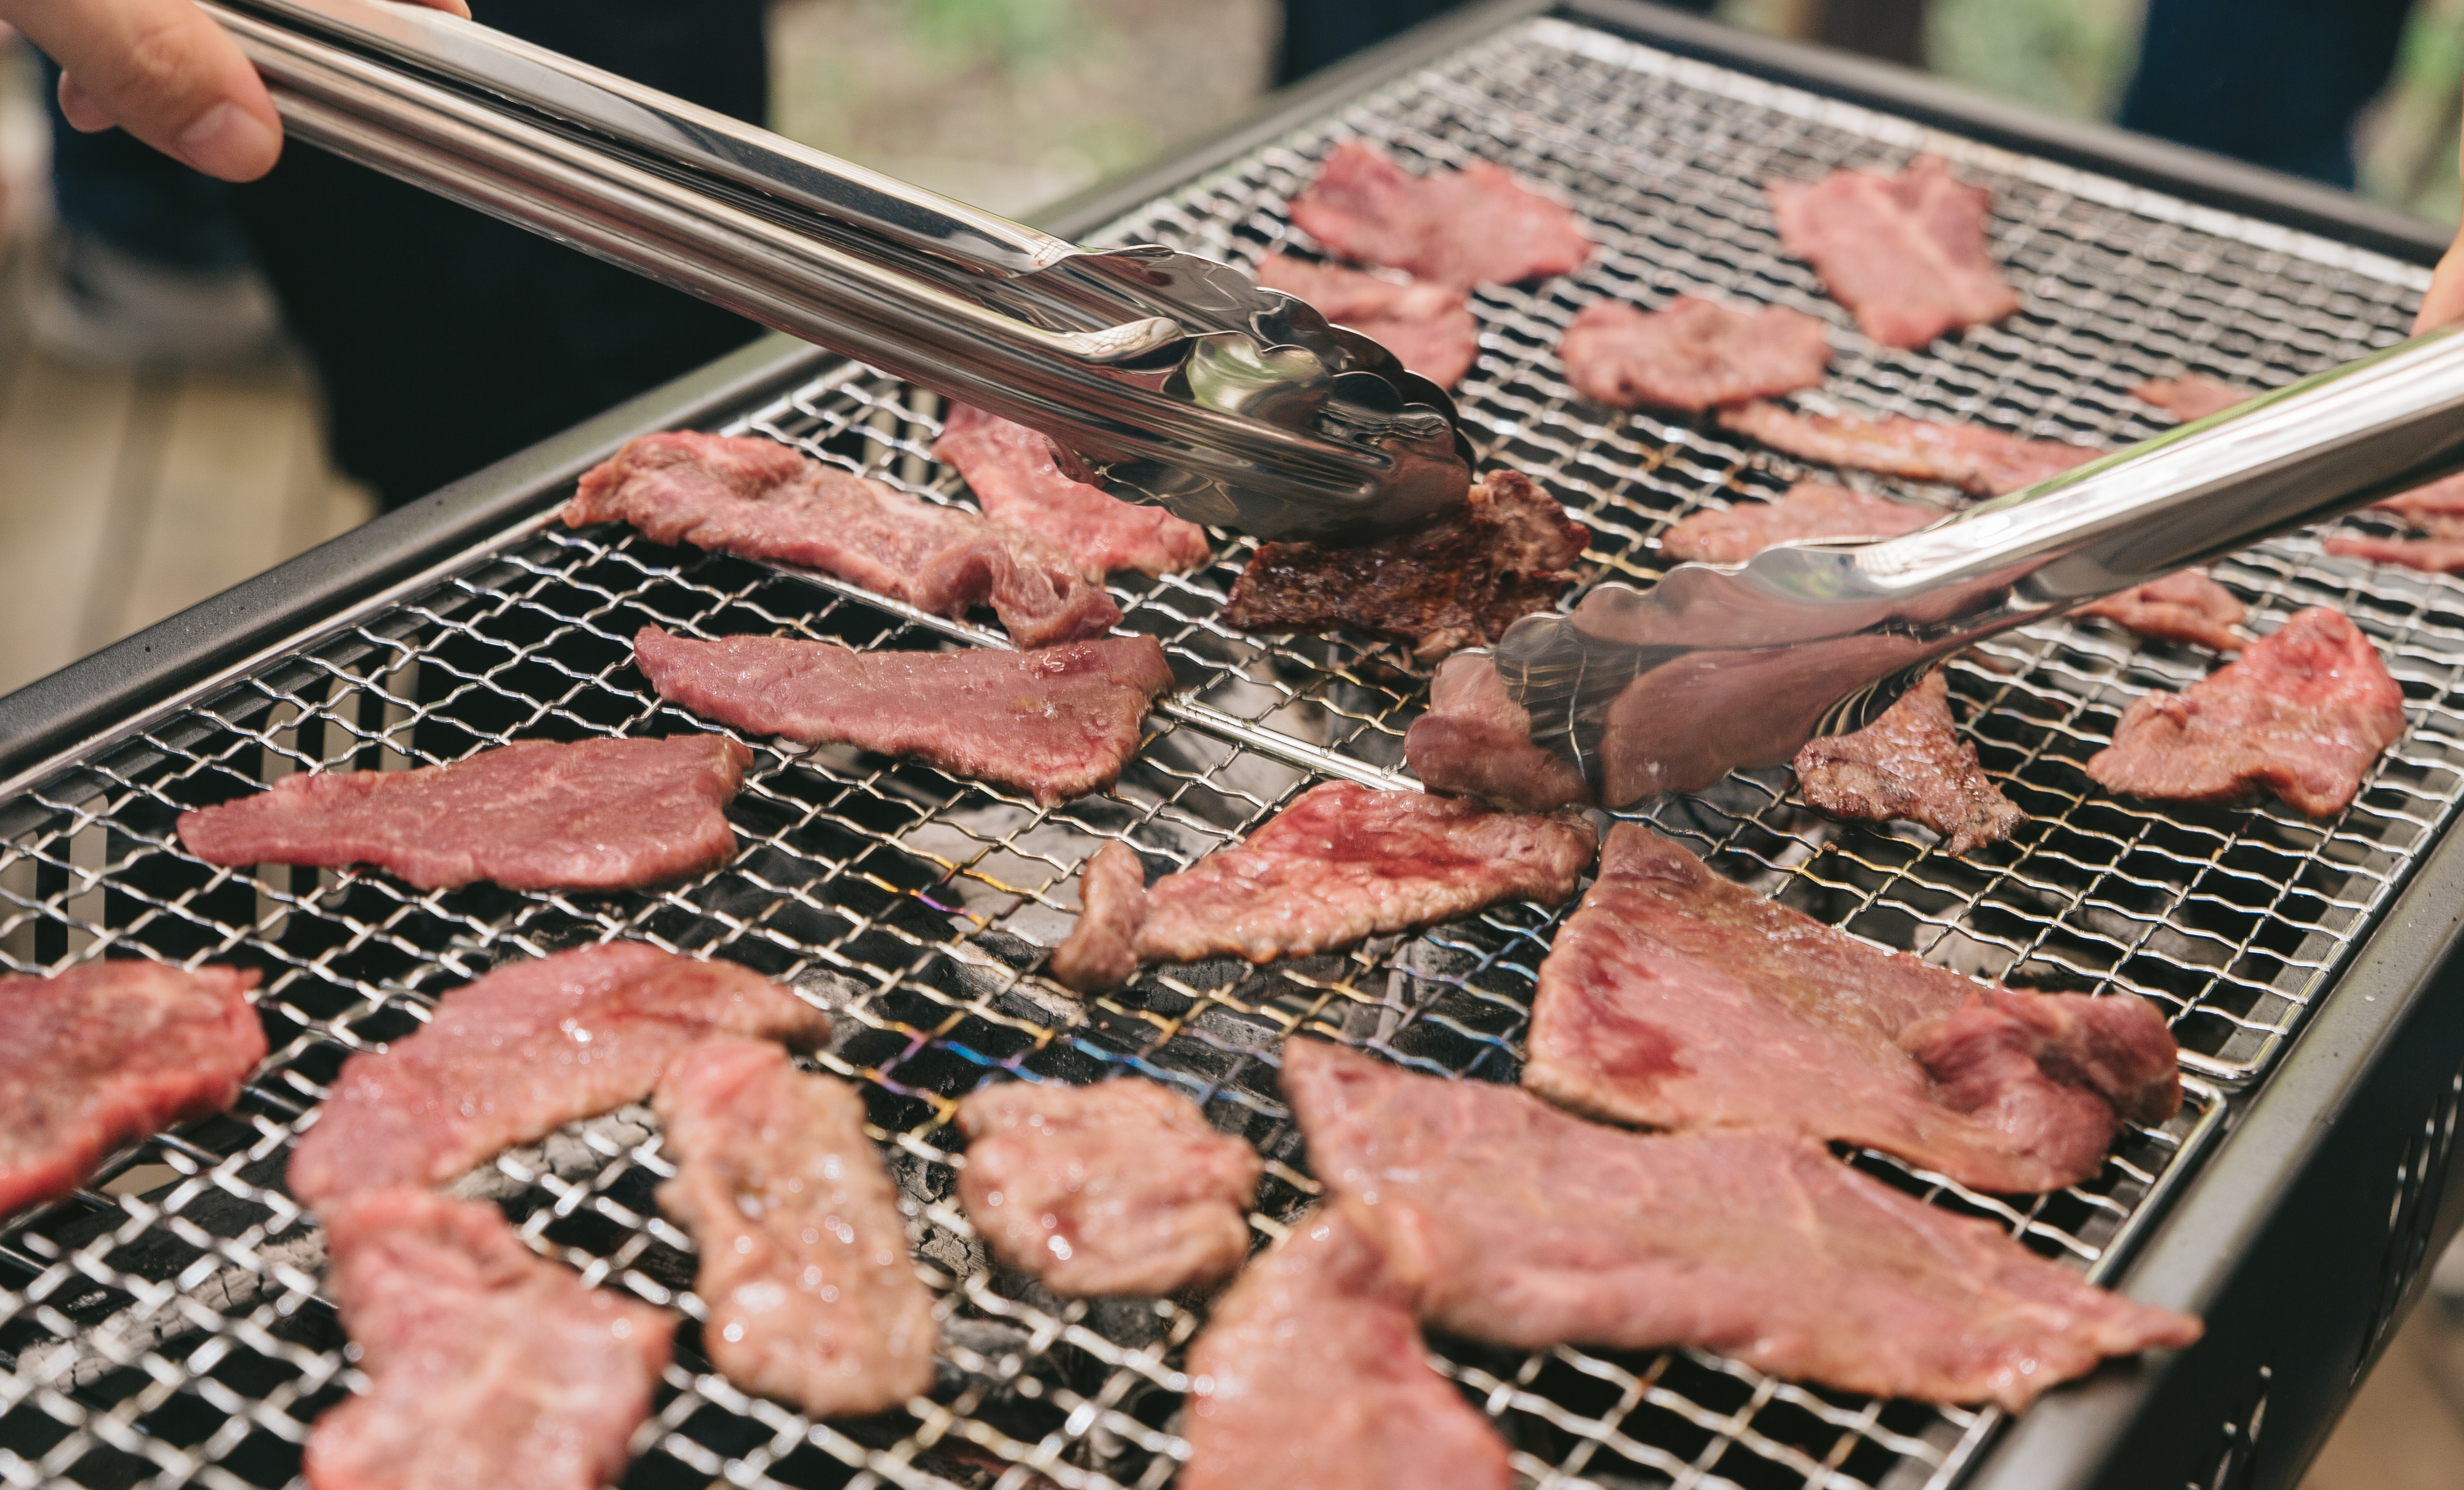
(486, 1366)
(1908, 253)
(107, 1053)
(1459, 582)
(1971, 457)
(804, 1253)
(1811, 513)
(1514, 1223)
(2431, 555)
(524, 1050)
(597, 815)
(1909, 763)
(758, 499)
(1691, 354)
(1058, 722)
(1118, 1188)
(2186, 606)
(1428, 327)
(1340, 863)
(1475, 226)
(1674, 999)
(2192, 396)
(2302, 713)
(1476, 740)
(1311, 1376)
(2436, 509)
(1015, 480)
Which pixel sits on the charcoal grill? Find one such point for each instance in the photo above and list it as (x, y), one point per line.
(163, 1327)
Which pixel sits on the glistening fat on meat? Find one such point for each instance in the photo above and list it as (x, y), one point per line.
(1339, 864)
(1975, 459)
(1475, 226)
(1017, 481)
(804, 1267)
(597, 815)
(1906, 254)
(1510, 1222)
(758, 499)
(107, 1053)
(1691, 354)
(1058, 721)
(1428, 327)
(1674, 999)
(523, 1050)
(1909, 763)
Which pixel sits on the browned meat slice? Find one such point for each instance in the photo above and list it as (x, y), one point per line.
(1674, 999)
(2186, 606)
(1971, 457)
(1459, 582)
(1015, 480)
(1311, 1376)
(1059, 721)
(2432, 555)
(486, 1366)
(1691, 354)
(2302, 713)
(803, 1254)
(527, 1048)
(1909, 763)
(533, 815)
(107, 1053)
(1340, 863)
(760, 499)
(1811, 513)
(1121, 1186)
(2192, 396)
(1476, 740)
(1908, 253)
(1475, 226)
(1514, 1223)
(1428, 327)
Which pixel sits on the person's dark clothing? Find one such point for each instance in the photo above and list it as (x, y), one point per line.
(1320, 32)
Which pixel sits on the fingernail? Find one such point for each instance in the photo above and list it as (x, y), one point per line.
(228, 142)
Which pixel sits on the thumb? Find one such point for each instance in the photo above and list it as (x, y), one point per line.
(164, 73)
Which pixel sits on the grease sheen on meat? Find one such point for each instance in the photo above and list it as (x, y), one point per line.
(1909, 763)
(107, 1053)
(804, 1253)
(1975, 459)
(1674, 999)
(1514, 1223)
(1906, 254)
(1811, 513)
(524, 1050)
(758, 499)
(1428, 327)
(1017, 481)
(2302, 713)
(1339, 864)
(1691, 354)
(1475, 226)
(603, 814)
(1058, 721)
(1121, 1186)
(486, 1364)
(1311, 1376)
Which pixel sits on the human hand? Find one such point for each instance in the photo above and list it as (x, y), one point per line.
(163, 72)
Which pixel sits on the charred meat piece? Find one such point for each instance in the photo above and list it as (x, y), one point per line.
(520, 1052)
(1476, 740)
(2192, 396)
(1514, 1223)
(1428, 327)
(107, 1053)
(1017, 481)
(1811, 513)
(1691, 354)
(1475, 226)
(1909, 763)
(2302, 713)
(1678, 999)
(1121, 1186)
(597, 815)
(2186, 606)
(1058, 721)
(486, 1366)
(1975, 459)
(1340, 863)
(803, 1254)
(1311, 1376)
(758, 499)
(1908, 253)
(1459, 582)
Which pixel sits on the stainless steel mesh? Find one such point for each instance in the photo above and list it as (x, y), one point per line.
(165, 1329)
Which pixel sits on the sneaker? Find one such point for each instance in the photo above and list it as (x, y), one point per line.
(95, 305)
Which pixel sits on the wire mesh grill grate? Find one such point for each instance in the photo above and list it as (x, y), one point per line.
(163, 1327)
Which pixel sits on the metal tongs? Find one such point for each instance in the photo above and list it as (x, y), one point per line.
(1164, 377)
